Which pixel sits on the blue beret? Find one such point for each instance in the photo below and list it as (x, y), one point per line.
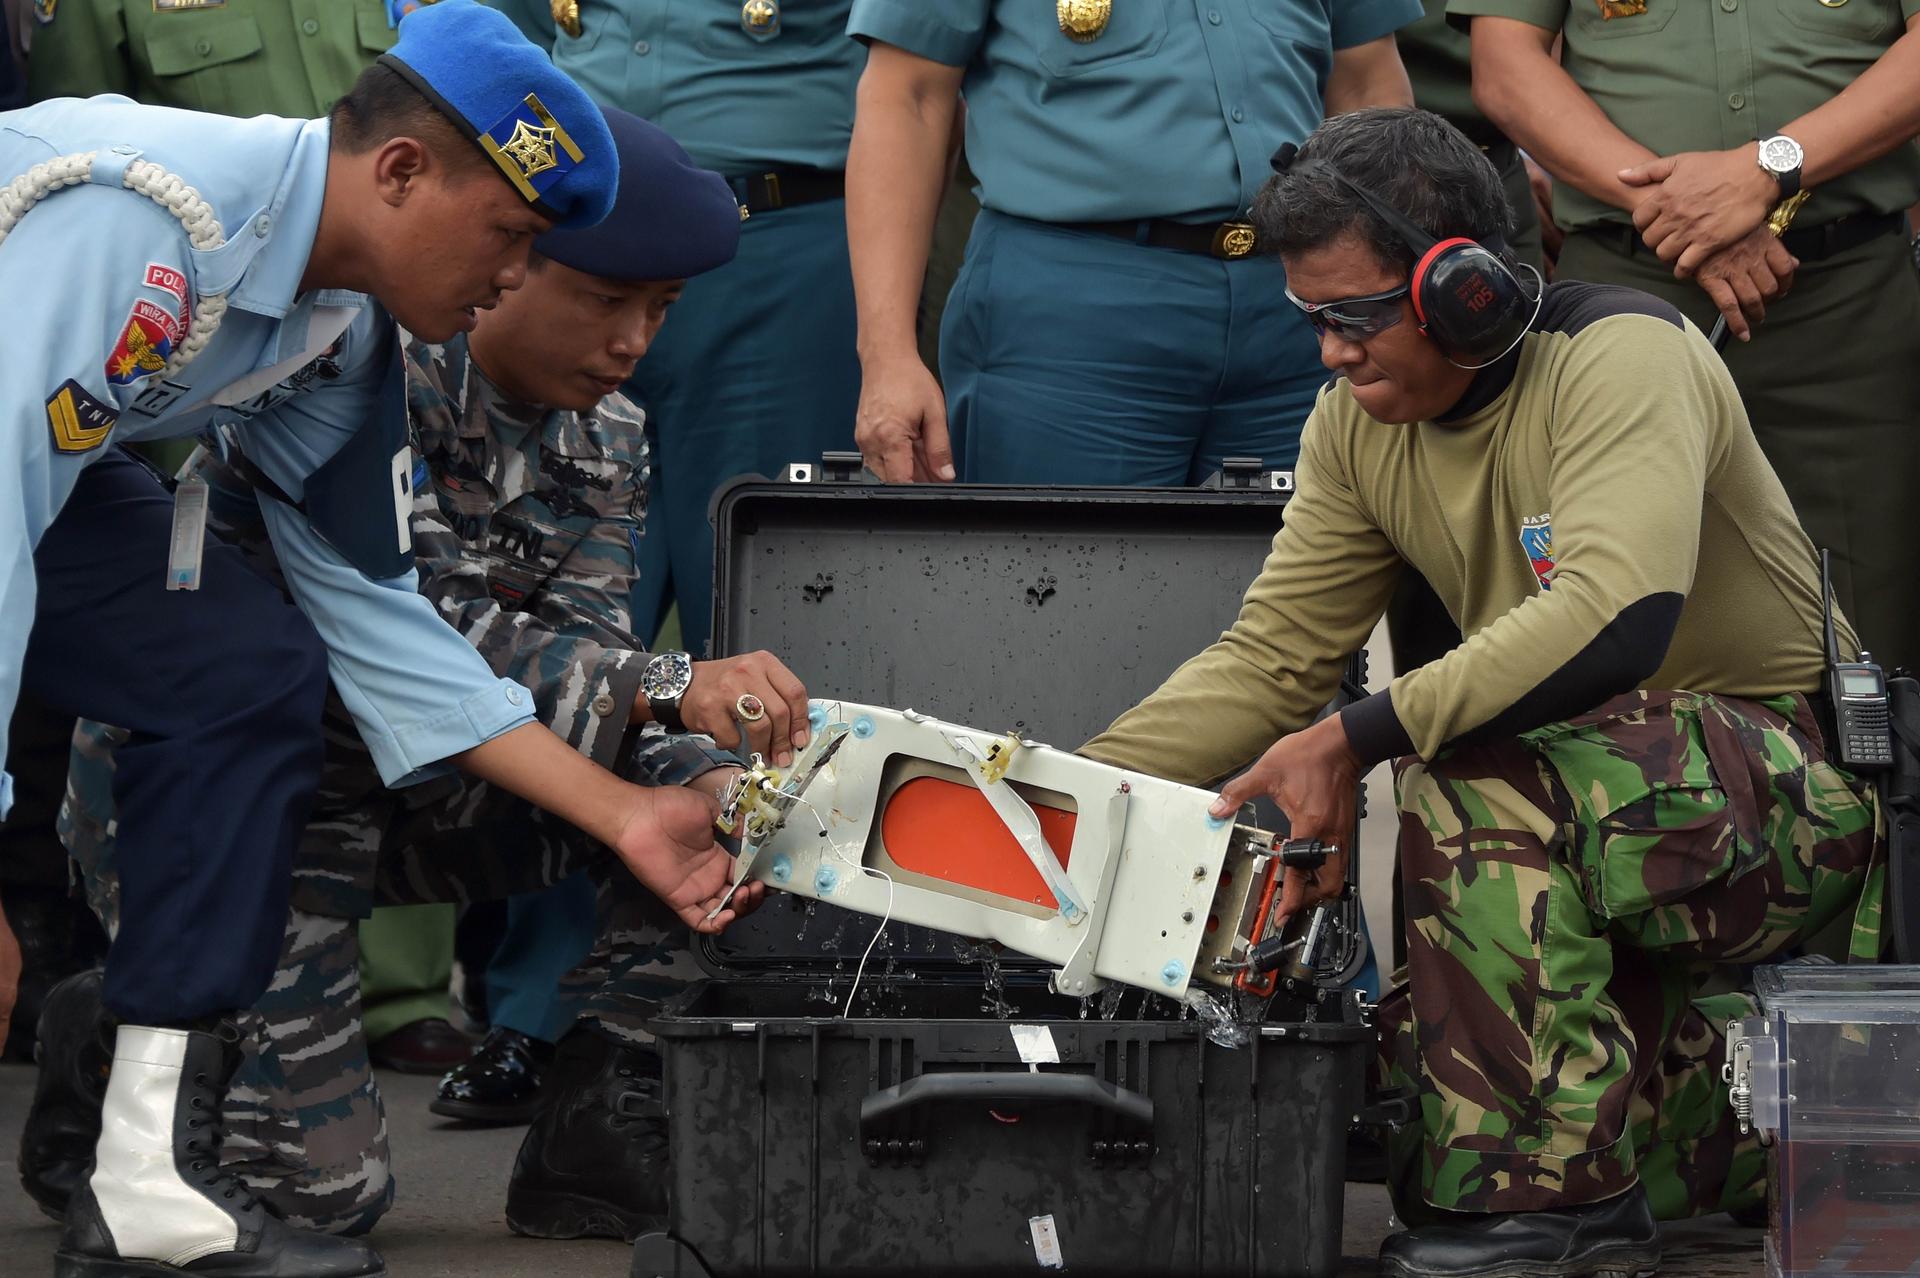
(544, 133)
(670, 219)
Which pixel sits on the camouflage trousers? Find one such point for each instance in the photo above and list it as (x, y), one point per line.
(1582, 903)
(306, 1126)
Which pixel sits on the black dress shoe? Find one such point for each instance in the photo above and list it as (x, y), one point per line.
(594, 1163)
(430, 1046)
(1616, 1238)
(63, 1124)
(499, 1084)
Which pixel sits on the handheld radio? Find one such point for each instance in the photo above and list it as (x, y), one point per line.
(1857, 690)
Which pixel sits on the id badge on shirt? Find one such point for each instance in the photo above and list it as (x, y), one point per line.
(398, 9)
(189, 535)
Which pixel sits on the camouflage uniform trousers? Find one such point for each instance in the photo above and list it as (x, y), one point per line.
(1583, 902)
(306, 1125)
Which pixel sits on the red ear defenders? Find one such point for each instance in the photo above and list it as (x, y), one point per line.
(1467, 297)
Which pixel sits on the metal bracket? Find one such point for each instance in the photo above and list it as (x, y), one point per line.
(987, 770)
(1076, 976)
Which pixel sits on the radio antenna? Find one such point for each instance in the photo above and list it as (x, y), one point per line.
(1826, 608)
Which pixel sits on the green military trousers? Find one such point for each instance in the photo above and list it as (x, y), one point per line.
(1831, 382)
(1580, 903)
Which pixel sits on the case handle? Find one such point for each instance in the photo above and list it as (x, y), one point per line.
(1006, 1085)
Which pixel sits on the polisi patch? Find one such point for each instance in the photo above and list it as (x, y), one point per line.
(167, 280)
(79, 422)
(1536, 538)
(149, 337)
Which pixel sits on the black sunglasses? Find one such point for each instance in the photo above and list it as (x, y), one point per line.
(1355, 319)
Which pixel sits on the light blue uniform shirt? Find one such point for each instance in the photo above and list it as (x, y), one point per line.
(78, 265)
(737, 103)
(1172, 112)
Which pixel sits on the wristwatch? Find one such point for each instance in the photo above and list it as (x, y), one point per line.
(664, 681)
(1781, 156)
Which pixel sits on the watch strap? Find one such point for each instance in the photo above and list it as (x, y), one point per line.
(667, 714)
(666, 711)
(1789, 181)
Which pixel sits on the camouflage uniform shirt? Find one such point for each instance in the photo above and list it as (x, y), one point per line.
(524, 527)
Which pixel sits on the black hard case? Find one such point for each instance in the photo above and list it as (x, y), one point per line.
(909, 1137)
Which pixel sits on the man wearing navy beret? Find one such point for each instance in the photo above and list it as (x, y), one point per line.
(531, 499)
(174, 272)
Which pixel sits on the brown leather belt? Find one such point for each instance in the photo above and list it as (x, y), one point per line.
(787, 188)
(1228, 241)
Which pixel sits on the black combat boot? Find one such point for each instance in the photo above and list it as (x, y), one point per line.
(62, 1127)
(1615, 1238)
(158, 1203)
(594, 1163)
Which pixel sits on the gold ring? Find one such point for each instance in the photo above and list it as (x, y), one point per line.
(750, 708)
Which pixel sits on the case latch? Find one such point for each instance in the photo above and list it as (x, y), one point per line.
(1249, 474)
(836, 467)
(1752, 1076)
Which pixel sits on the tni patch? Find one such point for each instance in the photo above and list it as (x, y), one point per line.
(1536, 538)
(79, 422)
(148, 339)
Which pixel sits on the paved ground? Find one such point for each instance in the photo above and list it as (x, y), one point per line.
(448, 1222)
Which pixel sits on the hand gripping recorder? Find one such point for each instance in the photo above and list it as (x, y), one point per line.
(1109, 875)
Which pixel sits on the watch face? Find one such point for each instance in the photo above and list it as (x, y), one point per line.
(667, 676)
(1780, 155)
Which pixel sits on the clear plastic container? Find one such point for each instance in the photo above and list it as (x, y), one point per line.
(1836, 1084)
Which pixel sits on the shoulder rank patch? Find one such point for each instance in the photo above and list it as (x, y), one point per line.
(1536, 538)
(149, 337)
(80, 423)
(43, 11)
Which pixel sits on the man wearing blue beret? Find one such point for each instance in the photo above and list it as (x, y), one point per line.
(762, 92)
(532, 496)
(173, 272)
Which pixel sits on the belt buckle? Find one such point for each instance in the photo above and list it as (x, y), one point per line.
(774, 199)
(1235, 240)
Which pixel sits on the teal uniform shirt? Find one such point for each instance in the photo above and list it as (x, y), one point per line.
(1172, 112)
(738, 103)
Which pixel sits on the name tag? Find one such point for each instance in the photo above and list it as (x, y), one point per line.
(167, 6)
(189, 535)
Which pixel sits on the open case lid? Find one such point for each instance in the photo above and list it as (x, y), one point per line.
(1049, 610)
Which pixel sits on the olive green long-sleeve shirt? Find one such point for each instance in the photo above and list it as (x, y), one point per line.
(1709, 75)
(293, 58)
(1595, 514)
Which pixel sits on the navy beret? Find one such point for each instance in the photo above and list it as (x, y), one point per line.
(544, 133)
(670, 218)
